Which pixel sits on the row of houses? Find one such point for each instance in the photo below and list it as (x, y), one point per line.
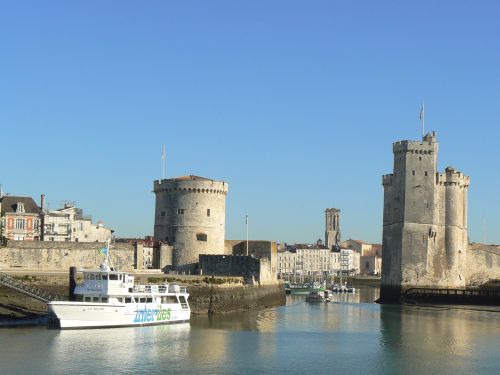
(22, 219)
(352, 258)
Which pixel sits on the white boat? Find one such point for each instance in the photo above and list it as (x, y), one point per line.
(109, 298)
(339, 288)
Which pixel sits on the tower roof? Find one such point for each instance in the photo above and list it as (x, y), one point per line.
(191, 178)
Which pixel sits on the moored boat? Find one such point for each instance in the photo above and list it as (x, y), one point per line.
(318, 296)
(109, 298)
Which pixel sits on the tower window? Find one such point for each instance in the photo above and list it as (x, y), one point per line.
(208, 212)
(201, 236)
(413, 173)
(180, 211)
(425, 173)
(419, 158)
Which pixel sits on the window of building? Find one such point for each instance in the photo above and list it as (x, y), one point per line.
(208, 212)
(425, 173)
(180, 211)
(162, 213)
(20, 223)
(201, 236)
(20, 207)
(413, 173)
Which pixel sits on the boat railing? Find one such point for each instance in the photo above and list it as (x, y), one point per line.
(166, 288)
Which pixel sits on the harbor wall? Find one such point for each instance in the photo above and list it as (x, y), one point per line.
(483, 264)
(252, 269)
(53, 256)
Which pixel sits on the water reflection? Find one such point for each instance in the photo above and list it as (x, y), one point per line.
(425, 337)
(349, 335)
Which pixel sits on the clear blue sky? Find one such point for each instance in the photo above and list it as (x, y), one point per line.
(294, 103)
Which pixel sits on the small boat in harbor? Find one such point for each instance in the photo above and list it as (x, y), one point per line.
(303, 288)
(318, 296)
(339, 288)
(109, 298)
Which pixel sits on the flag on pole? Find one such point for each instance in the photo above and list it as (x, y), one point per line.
(246, 219)
(163, 154)
(422, 112)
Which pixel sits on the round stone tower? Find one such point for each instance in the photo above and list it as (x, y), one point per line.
(190, 214)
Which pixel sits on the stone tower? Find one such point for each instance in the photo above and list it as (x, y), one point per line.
(425, 221)
(190, 214)
(332, 227)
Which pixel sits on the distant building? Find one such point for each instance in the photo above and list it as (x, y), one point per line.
(371, 265)
(361, 247)
(309, 260)
(69, 224)
(332, 228)
(23, 220)
(20, 218)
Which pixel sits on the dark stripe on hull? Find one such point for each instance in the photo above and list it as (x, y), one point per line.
(124, 325)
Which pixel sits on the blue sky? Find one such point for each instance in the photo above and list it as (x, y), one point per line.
(294, 103)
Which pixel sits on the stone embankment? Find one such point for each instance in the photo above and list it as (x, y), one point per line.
(207, 295)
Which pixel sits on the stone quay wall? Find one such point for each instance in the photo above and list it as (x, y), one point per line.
(221, 298)
(59, 256)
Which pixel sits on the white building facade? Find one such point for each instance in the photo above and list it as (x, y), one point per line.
(310, 261)
(69, 224)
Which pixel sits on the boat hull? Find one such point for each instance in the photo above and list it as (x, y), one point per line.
(101, 315)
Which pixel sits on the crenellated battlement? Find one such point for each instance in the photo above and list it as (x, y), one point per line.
(191, 185)
(428, 145)
(453, 177)
(387, 179)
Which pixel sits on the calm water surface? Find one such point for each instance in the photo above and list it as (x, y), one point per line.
(351, 335)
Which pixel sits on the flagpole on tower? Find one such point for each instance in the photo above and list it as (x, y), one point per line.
(163, 154)
(246, 222)
(422, 117)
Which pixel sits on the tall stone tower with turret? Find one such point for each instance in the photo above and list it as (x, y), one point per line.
(332, 227)
(190, 214)
(425, 221)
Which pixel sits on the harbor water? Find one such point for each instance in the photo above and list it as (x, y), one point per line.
(350, 335)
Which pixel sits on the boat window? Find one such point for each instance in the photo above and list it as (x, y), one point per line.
(120, 299)
(98, 277)
(91, 276)
(149, 299)
(79, 298)
(142, 299)
(88, 299)
(95, 299)
(104, 299)
(113, 277)
(128, 300)
(104, 277)
(169, 299)
(182, 299)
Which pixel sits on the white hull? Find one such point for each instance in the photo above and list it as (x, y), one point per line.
(95, 315)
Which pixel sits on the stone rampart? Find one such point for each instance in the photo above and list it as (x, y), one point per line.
(483, 264)
(239, 265)
(54, 256)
